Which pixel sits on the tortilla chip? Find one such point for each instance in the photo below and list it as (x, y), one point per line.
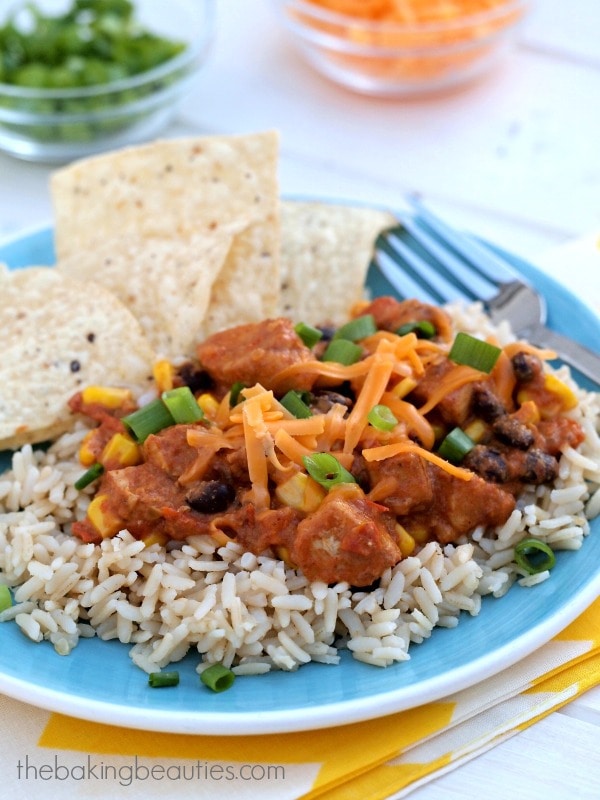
(165, 283)
(325, 254)
(180, 188)
(59, 336)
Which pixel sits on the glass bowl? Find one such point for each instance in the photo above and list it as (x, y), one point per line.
(398, 58)
(60, 124)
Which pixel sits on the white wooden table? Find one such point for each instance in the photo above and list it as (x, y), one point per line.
(515, 157)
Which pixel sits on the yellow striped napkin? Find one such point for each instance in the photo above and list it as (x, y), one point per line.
(51, 755)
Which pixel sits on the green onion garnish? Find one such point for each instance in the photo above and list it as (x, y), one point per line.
(381, 417)
(217, 677)
(159, 679)
(326, 470)
(343, 351)
(148, 419)
(89, 476)
(234, 393)
(424, 329)
(5, 598)
(309, 335)
(474, 352)
(455, 446)
(293, 402)
(357, 328)
(182, 404)
(534, 556)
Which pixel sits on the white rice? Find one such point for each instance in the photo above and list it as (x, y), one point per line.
(252, 612)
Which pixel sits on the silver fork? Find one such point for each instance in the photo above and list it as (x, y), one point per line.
(425, 258)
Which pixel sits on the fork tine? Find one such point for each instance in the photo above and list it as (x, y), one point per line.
(424, 272)
(400, 281)
(459, 272)
(480, 259)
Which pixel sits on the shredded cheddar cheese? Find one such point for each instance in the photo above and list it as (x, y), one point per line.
(374, 386)
(390, 450)
(457, 377)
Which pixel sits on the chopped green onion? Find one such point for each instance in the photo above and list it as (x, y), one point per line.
(357, 328)
(159, 679)
(5, 598)
(326, 470)
(309, 335)
(182, 404)
(217, 677)
(424, 329)
(455, 446)
(89, 476)
(342, 351)
(293, 402)
(148, 419)
(534, 556)
(381, 417)
(234, 393)
(474, 352)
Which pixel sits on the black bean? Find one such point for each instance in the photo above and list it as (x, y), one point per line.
(486, 404)
(526, 366)
(539, 467)
(211, 497)
(488, 463)
(195, 377)
(328, 332)
(513, 432)
(322, 402)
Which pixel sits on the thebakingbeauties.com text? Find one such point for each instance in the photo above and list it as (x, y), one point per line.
(136, 770)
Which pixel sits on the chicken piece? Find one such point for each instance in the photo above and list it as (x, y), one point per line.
(390, 314)
(259, 531)
(143, 499)
(460, 506)
(400, 483)
(348, 538)
(455, 407)
(255, 353)
(168, 449)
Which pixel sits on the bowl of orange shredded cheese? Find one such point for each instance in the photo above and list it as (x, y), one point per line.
(401, 48)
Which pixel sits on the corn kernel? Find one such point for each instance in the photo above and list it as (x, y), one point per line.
(106, 523)
(557, 387)
(209, 405)
(156, 537)
(476, 430)
(406, 542)
(284, 554)
(528, 413)
(439, 431)
(301, 492)
(404, 387)
(107, 396)
(86, 457)
(163, 375)
(121, 451)
(419, 533)
(524, 396)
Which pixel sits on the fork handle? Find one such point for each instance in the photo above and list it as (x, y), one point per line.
(576, 355)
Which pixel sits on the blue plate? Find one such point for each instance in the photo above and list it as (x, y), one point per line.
(99, 682)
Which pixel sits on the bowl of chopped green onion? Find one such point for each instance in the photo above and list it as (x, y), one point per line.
(81, 76)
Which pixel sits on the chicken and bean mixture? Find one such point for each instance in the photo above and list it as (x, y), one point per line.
(333, 448)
